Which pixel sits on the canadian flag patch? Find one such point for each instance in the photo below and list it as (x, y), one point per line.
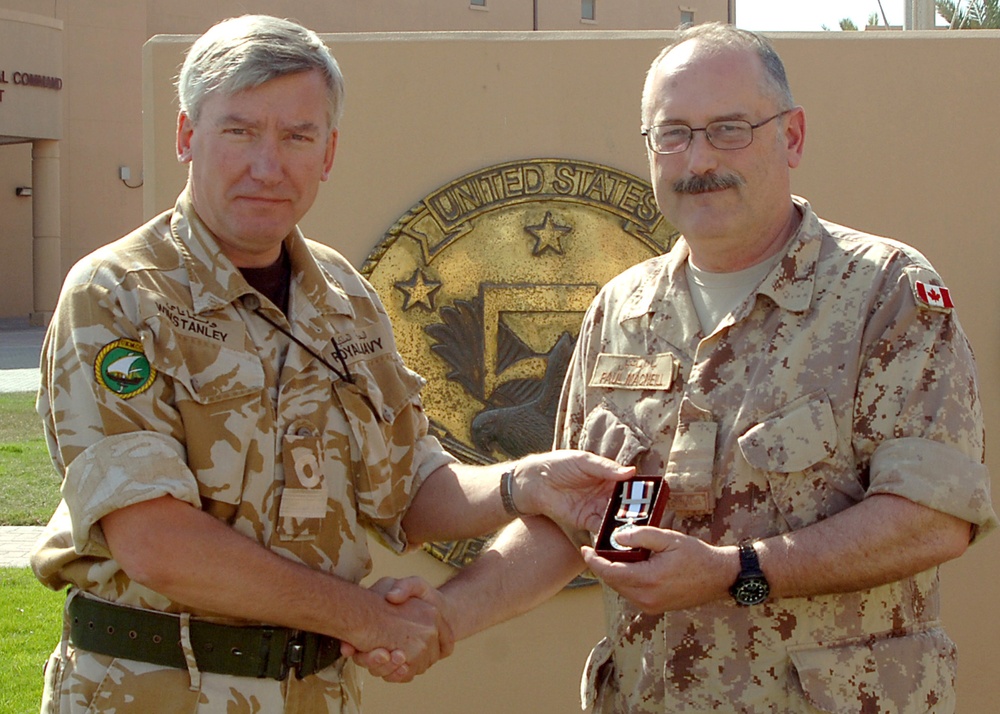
(933, 296)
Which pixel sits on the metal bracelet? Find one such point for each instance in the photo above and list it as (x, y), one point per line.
(507, 494)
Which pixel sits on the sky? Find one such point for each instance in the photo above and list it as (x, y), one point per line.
(811, 15)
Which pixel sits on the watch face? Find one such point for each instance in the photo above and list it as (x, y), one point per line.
(751, 591)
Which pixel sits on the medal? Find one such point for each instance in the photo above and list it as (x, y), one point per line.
(613, 538)
(636, 502)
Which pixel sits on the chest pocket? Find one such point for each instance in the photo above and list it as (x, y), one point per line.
(217, 392)
(385, 420)
(793, 439)
(796, 448)
(909, 674)
(207, 369)
(605, 434)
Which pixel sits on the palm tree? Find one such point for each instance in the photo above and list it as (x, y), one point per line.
(977, 15)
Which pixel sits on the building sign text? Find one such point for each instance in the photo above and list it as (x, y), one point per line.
(28, 79)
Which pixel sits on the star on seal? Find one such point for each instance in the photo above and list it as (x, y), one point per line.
(548, 235)
(418, 291)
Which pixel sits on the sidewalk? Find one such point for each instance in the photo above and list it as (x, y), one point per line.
(15, 544)
(20, 346)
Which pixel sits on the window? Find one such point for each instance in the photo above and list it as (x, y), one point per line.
(687, 17)
(477, 3)
(588, 10)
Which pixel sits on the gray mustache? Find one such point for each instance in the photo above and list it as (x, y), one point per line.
(710, 182)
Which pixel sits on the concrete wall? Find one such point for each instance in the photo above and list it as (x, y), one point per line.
(31, 46)
(892, 148)
(15, 233)
(100, 103)
(409, 16)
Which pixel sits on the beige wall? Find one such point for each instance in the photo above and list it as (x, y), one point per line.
(889, 150)
(101, 41)
(15, 229)
(100, 47)
(409, 15)
(29, 45)
(32, 45)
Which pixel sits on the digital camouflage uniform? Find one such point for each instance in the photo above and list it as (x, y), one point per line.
(837, 379)
(158, 379)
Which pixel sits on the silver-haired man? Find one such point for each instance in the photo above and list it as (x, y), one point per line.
(227, 408)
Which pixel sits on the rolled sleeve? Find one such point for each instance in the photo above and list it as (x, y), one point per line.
(935, 475)
(428, 457)
(120, 471)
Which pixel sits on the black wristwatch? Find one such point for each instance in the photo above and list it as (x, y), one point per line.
(751, 586)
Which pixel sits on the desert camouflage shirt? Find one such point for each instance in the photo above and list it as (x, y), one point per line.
(844, 374)
(159, 379)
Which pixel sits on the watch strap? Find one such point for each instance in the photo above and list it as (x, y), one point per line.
(749, 562)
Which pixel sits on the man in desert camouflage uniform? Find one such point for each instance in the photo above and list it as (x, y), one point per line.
(229, 413)
(815, 413)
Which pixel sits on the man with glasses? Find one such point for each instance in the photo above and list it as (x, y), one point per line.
(815, 415)
(229, 413)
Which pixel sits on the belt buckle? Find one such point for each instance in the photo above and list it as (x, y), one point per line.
(295, 652)
(300, 651)
(292, 654)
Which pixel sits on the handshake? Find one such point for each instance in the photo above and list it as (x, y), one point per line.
(406, 625)
(417, 630)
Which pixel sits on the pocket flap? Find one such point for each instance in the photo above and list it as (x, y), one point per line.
(913, 673)
(605, 434)
(387, 384)
(210, 371)
(800, 435)
(592, 672)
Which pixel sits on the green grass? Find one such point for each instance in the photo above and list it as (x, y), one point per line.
(30, 614)
(30, 623)
(29, 487)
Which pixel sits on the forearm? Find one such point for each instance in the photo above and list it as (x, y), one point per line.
(880, 540)
(460, 501)
(529, 562)
(195, 559)
(457, 501)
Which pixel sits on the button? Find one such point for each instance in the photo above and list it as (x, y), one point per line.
(251, 302)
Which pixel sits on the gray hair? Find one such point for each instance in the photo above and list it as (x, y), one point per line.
(718, 36)
(245, 52)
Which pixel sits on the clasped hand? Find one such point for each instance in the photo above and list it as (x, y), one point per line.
(421, 633)
(570, 487)
(682, 571)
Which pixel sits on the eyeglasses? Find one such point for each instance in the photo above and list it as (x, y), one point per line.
(725, 134)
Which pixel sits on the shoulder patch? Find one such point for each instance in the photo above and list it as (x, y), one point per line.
(121, 367)
(934, 297)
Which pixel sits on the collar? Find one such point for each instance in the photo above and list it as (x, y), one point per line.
(790, 283)
(216, 282)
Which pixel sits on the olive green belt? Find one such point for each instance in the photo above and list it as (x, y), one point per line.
(155, 637)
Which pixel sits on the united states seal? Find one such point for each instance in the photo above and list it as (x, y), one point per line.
(486, 281)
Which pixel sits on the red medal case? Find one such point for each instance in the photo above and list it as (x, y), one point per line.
(652, 491)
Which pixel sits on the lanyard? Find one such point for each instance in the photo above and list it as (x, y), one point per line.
(252, 302)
